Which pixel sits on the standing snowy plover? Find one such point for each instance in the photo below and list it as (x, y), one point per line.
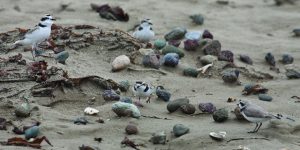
(144, 32)
(37, 35)
(142, 89)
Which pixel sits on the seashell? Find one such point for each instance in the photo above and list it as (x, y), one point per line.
(124, 85)
(80, 121)
(175, 43)
(180, 129)
(191, 72)
(220, 115)
(197, 19)
(287, 59)
(32, 132)
(91, 111)
(207, 59)
(191, 45)
(270, 59)
(125, 109)
(253, 89)
(172, 49)
(175, 104)
(62, 57)
(176, 34)
(120, 63)
(188, 108)
(296, 32)
(218, 136)
(152, 61)
(171, 59)
(226, 55)
(162, 93)
(159, 44)
(246, 59)
(238, 114)
(159, 138)
(230, 76)
(265, 97)
(131, 129)
(126, 100)
(292, 74)
(207, 35)
(212, 48)
(193, 35)
(110, 95)
(207, 107)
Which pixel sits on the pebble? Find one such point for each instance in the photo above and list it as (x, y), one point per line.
(230, 76)
(220, 115)
(270, 59)
(131, 129)
(197, 19)
(120, 63)
(175, 43)
(80, 121)
(163, 94)
(238, 114)
(175, 104)
(287, 59)
(91, 111)
(265, 97)
(32, 132)
(159, 138)
(62, 57)
(146, 51)
(176, 34)
(188, 108)
(207, 107)
(246, 59)
(110, 95)
(208, 59)
(191, 45)
(180, 129)
(126, 100)
(124, 85)
(171, 59)
(125, 109)
(292, 74)
(296, 32)
(226, 55)
(152, 61)
(23, 110)
(193, 35)
(172, 49)
(191, 72)
(207, 35)
(159, 44)
(212, 48)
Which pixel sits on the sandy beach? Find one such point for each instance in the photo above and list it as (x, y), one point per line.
(252, 27)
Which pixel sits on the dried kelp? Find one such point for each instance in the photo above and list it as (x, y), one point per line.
(18, 141)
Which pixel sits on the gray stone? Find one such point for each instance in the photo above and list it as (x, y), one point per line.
(159, 138)
(176, 34)
(175, 104)
(265, 97)
(220, 115)
(180, 130)
(212, 47)
(207, 59)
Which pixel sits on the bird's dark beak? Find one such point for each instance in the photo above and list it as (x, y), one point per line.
(53, 19)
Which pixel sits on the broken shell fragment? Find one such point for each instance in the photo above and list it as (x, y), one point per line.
(217, 136)
(91, 111)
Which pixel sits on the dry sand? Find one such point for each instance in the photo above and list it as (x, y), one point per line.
(241, 26)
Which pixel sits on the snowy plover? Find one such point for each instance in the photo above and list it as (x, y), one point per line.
(37, 35)
(142, 89)
(144, 32)
(255, 114)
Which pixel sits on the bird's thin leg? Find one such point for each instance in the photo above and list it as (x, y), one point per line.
(258, 127)
(254, 129)
(33, 51)
(148, 100)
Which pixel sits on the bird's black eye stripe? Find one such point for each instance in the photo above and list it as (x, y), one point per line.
(140, 28)
(151, 28)
(150, 23)
(44, 18)
(48, 15)
(143, 21)
(138, 82)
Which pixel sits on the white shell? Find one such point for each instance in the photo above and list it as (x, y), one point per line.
(120, 62)
(218, 136)
(91, 111)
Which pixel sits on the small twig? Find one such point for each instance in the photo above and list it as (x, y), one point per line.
(253, 138)
(154, 70)
(296, 97)
(155, 117)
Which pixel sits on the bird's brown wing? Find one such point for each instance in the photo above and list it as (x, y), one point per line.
(30, 31)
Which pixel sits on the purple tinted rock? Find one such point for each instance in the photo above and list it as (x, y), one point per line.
(207, 35)
(191, 45)
(226, 55)
(175, 43)
(110, 95)
(152, 61)
(207, 107)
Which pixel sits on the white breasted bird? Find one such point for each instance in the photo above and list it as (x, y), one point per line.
(142, 89)
(255, 114)
(37, 35)
(144, 32)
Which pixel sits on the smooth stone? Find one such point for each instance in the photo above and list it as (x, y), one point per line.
(175, 43)
(287, 59)
(119, 63)
(270, 59)
(197, 19)
(62, 57)
(193, 35)
(163, 94)
(188, 108)
(126, 109)
(292, 74)
(20, 111)
(246, 59)
(208, 59)
(180, 129)
(230, 76)
(176, 34)
(126, 100)
(207, 35)
(159, 44)
(296, 32)
(212, 48)
(171, 60)
(80, 121)
(172, 49)
(32, 132)
(175, 104)
(190, 72)
(124, 85)
(151, 61)
(131, 129)
(265, 97)
(145, 51)
(207, 107)
(159, 138)
(220, 115)
(226, 55)
(110, 95)
(191, 45)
